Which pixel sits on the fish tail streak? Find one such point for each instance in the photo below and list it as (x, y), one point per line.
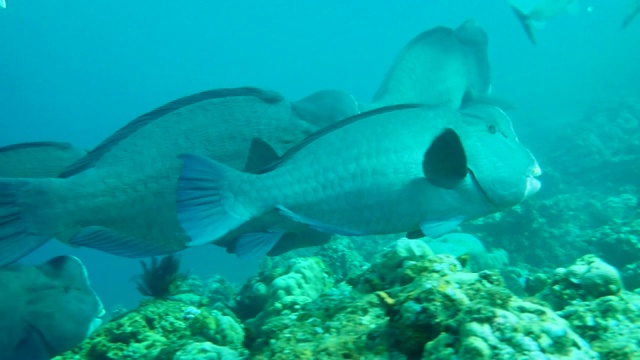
(18, 236)
(526, 25)
(203, 202)
(627, 20)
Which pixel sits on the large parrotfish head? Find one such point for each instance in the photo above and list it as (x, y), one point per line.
(502, 167)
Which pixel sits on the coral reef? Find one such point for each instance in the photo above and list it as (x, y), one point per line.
(589, 278)
(611, 324)
(598, 141)
(408, 304)
(618, 242)
(166, 329)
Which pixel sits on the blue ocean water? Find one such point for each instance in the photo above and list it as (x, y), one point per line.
(77, 71)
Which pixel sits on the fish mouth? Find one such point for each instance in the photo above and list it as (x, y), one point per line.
(532, 184)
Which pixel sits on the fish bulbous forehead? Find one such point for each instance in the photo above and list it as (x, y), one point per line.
(487, 113)
(502, 166)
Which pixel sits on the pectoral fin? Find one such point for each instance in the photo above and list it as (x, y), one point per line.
(416, 234)
(436, 228)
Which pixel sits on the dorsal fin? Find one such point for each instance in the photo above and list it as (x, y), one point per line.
(37, 144)
(333, 127)
(89, 160)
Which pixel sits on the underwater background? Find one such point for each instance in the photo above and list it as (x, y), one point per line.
(78, 71)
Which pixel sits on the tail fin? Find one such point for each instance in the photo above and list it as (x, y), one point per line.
(527, 25)
(630, 16)
(17, 236)
(206, 210)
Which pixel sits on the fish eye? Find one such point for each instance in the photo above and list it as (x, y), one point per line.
(492, 129)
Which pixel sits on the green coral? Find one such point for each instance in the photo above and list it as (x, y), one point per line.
(589, 278)
(157, 330)
(611, 324)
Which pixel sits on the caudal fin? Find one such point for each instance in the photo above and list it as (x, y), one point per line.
(18, 236)
(206, 211)
(527, 25)
(630, 16)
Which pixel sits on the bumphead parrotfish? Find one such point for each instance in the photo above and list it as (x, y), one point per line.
(390, 170)
(120, 197)
(46, 309)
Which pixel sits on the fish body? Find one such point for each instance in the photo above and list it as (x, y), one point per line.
(37, 159)
(534, 13)
(120, 197)
(441, 66)
(46, 309)
(391, 170)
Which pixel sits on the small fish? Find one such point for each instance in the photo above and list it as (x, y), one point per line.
(634, 9)
(46, 309)
(390, 170)
(441, 66)
(120, 197)
(37, 159)
(3, 4)
(533, 14)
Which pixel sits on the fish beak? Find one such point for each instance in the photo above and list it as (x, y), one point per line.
(536, 170)
(532, 187)
(533, 184)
